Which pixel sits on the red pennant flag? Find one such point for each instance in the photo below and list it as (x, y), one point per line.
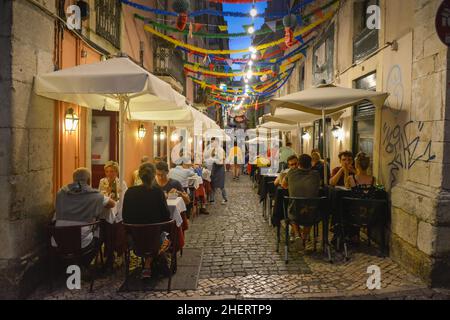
(197, 27)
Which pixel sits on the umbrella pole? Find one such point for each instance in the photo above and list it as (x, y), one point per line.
(168, 143)
(325, 153)
(121, 140)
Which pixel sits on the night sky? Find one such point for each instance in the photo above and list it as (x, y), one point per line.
(235, 24)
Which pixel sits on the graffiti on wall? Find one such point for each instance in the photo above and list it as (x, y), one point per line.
(404, 152)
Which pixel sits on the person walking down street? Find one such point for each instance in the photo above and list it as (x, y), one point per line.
(216, 155)
(235, 157)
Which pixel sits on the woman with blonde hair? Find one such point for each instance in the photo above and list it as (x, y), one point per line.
(361, 183)
(113, 230)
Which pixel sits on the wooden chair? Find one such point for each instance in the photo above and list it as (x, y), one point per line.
(146, 242)
(69, 248)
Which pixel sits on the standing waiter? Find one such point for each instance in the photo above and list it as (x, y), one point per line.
(216, 155)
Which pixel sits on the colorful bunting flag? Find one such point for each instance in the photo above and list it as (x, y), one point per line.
(223, 28)
(272, 25)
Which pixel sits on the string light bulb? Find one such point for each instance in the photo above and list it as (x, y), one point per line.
(253, 12)
(250, 63)
(252, 49)
(251, 30)
(253, 56)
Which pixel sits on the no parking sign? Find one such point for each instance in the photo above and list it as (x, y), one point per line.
(443, 22)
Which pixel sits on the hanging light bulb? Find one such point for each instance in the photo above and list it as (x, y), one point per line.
(252, 49)
(245, 80)
(253, 56)
(251, 30)
(249, 74)
(253, 12)
(250, 63)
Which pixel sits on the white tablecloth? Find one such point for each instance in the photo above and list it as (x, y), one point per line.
(176, 207)
(196, 181)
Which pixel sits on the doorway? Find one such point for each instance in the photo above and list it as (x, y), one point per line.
(103, 142)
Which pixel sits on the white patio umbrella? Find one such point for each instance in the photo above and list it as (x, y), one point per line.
(114, 85)
(321, 101)
(184, 118)
(272, 123)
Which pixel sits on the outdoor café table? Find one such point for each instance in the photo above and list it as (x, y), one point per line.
(176, 208)
(195, 181)
(339, 217)
(263, 187)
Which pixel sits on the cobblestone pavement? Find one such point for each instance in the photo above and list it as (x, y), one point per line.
(240, 262)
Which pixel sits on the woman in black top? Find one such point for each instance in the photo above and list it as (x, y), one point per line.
(145, 204)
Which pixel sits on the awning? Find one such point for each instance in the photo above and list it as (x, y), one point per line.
(329, 98)
(111, 85)
(99, 85)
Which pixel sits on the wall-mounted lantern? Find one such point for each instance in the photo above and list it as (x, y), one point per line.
(71, 121)
(306, 135)
(337, 131)
(142, 131)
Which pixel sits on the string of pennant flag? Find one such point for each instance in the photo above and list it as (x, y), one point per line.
(273, 62)
(193, 48)
(194, 29)
(197, 13)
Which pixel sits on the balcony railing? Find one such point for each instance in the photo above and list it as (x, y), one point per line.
(107, 20)
(168, 62)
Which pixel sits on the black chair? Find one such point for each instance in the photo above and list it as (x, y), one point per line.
(193, 205)
(146, 242)
(309, 212)
(69, 248)
(271, 193)
(368, 213)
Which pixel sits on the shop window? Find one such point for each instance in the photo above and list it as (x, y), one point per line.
(323, 58)
(365, 40)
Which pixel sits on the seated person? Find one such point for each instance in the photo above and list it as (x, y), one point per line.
(167, 184)
(340, 174)
(362, 184)
(198, 169)
(146, 204)
(181, 173)
(302, 182)
(318, 165)
(113, 231)
(77, 204)
(292, 163)
(136, 179)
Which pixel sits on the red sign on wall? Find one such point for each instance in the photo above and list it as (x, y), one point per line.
(443, 22)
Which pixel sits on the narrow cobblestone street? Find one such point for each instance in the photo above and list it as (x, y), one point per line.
(240, 262)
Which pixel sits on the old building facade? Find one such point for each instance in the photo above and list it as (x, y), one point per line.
(408, 138)
(37, 154)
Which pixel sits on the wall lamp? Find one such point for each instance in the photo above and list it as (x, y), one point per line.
(306, 135)
(71, 121)
(337, 131)
(142, 131)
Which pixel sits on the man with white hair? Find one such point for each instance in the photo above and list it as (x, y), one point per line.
(78, 203)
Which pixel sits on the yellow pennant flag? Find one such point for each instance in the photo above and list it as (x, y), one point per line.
(223, 28)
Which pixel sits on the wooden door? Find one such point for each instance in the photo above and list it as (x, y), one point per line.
(103, 143)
